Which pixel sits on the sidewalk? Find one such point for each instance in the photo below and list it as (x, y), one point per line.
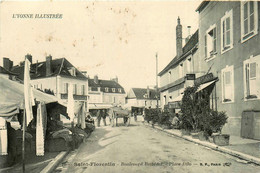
(33, 163)
(246, 149)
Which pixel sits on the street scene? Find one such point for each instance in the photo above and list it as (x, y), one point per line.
(129, 86)
(139, 148)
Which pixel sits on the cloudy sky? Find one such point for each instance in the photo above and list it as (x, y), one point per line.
(118, 38)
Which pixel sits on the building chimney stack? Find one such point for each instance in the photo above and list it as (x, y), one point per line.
(96, 79)
(29, 57)
(115, 79)
(189, 36)
(179, 38)
(148, 92)
(7, 64)
(48, 65)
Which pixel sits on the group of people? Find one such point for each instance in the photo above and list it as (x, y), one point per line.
(101, 114)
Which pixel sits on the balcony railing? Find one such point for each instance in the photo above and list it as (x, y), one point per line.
(76, 97)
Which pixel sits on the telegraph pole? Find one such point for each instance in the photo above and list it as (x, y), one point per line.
(157, 97)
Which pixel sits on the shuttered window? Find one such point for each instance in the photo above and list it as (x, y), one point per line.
(227, 84)
(251, 76)
(249, 19)
(227, 31)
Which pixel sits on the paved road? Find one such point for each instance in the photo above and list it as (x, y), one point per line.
(138, 148)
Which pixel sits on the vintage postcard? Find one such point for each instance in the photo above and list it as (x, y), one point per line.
(129, 86)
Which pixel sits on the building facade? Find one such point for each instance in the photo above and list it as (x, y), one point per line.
(105, 93)
(53, 76)
(229, 45)
(181, 71)
(142, 97)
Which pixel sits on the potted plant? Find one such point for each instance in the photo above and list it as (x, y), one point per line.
(164, 120)
(189, 118)
(218, 120)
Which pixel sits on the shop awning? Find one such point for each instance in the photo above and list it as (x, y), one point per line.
(99, 106)
(77, 105)
(12, 96)
(205, 85)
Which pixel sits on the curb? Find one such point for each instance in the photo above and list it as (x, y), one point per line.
(212, 146)
(54, 163)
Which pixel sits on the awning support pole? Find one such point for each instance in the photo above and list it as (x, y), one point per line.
(23, 142)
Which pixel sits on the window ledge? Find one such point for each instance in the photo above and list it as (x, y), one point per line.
(254, 33)
(250, 98)
(226, 49)
(210, 58)
(227, 101)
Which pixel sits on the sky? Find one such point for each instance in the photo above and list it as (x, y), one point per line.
(104, 38)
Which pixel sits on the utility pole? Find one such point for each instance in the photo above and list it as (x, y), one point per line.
(157, 95)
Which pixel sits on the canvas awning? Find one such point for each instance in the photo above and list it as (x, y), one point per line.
(99, 106)
(77, 105)
(12, 96)
(205, 85)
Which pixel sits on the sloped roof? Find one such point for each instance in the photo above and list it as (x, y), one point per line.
(193, 41)
(58, 67)
(4, 71)
(202, 6)
(141, 93)
(106, 84)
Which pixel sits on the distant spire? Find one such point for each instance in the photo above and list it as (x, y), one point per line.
(179, 21)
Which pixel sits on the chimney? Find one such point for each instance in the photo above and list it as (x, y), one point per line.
(179, 38)
(22, 63)
(7, 64)
(189, 36)
(29, 57)
(36, 68)
(148, 92)
(115, 79)
(96, 79)
(48, 65)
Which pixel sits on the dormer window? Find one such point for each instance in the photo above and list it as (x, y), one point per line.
(106, 89)
(119, 90)
(113, 90)
(72, 71)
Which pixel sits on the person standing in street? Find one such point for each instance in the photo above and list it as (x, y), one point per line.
(98, 117)
(104, 115)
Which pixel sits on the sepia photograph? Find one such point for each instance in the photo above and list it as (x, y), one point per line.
(129, 86)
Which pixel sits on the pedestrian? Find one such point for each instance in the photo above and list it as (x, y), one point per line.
(98, 117)
(175, 121)
(135, 115)
(104, 115)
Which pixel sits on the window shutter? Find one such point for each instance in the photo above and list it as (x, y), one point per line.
(227, 31)
(247, 79)
(252, 78)
(214, 40)
(246, 18)
(74, 89)
(206, 46)
(251, 14)
(252, 70)
(223, 86)
(223, 33)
